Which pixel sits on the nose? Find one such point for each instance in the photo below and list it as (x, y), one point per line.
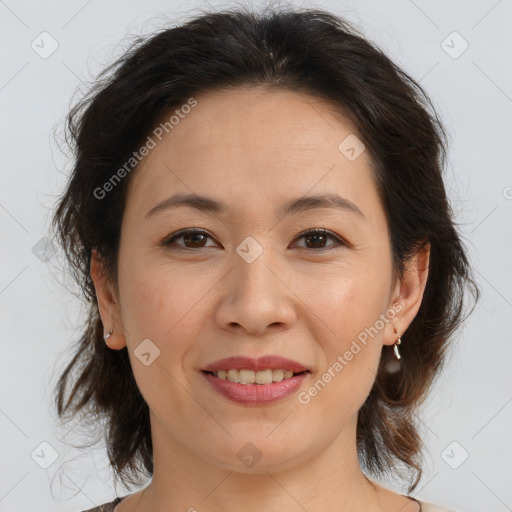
(255, 296)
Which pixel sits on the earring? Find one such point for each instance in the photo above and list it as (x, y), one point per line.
(107, 336)
(395, 347)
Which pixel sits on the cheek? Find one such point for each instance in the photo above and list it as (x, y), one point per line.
(347, 298)
(154, 307)
(347, 306)
(163, 310)
(163, 305)
(351, 349)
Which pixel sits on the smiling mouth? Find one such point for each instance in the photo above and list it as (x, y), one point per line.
(262, 377)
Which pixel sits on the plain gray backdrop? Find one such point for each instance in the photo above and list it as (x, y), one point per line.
(460, 51)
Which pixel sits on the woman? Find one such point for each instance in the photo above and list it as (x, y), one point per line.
(258, 218)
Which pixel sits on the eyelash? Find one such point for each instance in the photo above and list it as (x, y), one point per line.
(315, 231)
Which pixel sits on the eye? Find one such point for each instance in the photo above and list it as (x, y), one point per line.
(319, 237)
(196, 238)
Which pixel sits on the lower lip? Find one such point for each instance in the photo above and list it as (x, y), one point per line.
(256, 394)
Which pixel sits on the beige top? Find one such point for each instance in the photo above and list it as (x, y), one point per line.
(430, 507)
(425, 507)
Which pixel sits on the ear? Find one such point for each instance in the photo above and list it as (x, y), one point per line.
(408, 294)
(108, 305)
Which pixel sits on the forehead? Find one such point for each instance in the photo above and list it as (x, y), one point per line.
(256, 117)
(253, 143)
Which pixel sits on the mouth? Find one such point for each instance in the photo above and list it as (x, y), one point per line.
(255, 388)
(256, 382)
(261, 377)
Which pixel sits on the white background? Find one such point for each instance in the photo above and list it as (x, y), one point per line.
(471, 402)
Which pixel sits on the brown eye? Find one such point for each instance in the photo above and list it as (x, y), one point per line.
(193, 238)
(317, 238)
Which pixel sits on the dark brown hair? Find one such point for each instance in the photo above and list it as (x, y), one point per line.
(307, 51)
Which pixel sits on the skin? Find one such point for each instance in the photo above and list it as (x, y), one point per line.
(255, 149)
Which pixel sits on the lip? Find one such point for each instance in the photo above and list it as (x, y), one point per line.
(255, 394)
(272, 362)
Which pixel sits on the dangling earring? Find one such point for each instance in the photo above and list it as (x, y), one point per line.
(107, 336)
(395, 347)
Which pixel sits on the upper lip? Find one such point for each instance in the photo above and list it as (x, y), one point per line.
(272, 362)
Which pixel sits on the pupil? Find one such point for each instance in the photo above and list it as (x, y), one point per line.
(189, 237)
(316, 236)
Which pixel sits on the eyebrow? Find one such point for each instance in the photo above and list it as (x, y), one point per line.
(294, 206)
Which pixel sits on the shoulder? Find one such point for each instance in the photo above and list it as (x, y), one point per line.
(431, 507)
(106, 507)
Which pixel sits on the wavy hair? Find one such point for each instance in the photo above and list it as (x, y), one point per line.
(307, 51)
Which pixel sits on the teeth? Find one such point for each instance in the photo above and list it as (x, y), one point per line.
(252, 377)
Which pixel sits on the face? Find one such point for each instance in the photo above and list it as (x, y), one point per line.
(252, 280)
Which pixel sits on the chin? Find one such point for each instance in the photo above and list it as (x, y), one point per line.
(258, 457)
